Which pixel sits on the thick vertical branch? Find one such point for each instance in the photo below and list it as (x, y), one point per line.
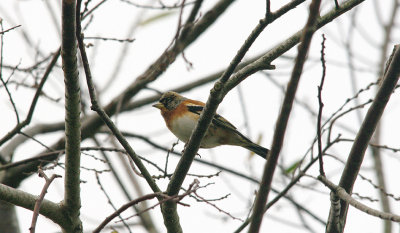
(265, 185)
(72, 202)
(365, 133)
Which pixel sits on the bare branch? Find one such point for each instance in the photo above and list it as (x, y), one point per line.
(103, 115)
(110, 202)
(26, 200)
(321, 105)
(288, 187)
(1, 73)
(72, 201)
(162, 199)
(41, 197)
(283, 118)
(145, 218)
(7, 30)
(366, 131)
(345, 197)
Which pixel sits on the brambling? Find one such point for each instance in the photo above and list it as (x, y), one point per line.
(181, 115)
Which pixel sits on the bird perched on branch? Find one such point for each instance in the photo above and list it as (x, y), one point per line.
(181, 115)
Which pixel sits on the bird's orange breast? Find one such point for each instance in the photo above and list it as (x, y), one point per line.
(172, 115)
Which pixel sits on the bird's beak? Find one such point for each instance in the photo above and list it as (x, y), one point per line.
(158, 105)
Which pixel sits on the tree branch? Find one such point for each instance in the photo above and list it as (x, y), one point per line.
(345, 197)
(365, 133)
(26, 200)
(283, 118)
(321, 106)
(39, 201)
(72, 202)
(103, 115)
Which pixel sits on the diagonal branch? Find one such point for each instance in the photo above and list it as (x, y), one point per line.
(171, 219)
(119, 211)
(103, 115)
(365, 133)
(290, 42)
(219, 90)
(283, 118)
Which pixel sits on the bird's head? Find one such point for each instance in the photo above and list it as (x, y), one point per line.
(169, 101)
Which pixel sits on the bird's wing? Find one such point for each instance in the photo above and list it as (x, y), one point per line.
(217, 120)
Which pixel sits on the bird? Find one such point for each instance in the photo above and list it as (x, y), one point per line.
(181, 115)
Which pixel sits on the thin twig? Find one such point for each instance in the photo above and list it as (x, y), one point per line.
(109, 201)
(7, 30)
(129, 40)
(215, 206)
(161, 196)
(126, 206)
(162, 7)
(39, 201)
(321, 105)
(93, 9)
(167, 158)
(1, 73)
(38, 92)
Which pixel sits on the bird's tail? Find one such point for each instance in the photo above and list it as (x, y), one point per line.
(261, 151)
